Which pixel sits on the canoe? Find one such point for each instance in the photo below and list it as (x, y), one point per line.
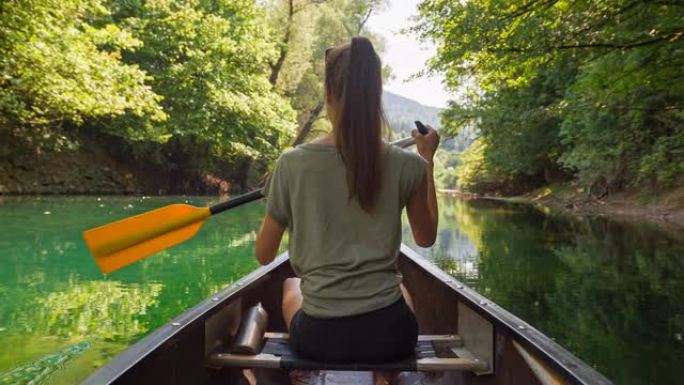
(484, 343)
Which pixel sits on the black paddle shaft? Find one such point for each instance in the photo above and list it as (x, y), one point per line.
(258, 193)
(237, 201)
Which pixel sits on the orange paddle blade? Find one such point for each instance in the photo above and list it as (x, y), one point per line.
(123, 242)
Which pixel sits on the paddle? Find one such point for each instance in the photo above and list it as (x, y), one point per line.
(123, 242)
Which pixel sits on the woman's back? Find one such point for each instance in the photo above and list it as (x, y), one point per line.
(341, 200)
(345, 256)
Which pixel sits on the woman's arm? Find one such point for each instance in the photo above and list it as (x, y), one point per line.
(277, 214)
(268, 240)
(422, 209)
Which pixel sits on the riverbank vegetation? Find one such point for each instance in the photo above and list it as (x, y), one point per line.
(588, 93)
(200, 96)
(190, 93)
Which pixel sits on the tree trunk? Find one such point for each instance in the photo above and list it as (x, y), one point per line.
(306, 127)
(275, 68)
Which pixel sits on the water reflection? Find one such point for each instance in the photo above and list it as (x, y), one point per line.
(52, 295)
(612, 293)
(105, 310)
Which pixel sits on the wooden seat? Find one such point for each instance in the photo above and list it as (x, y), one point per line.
(433, 353)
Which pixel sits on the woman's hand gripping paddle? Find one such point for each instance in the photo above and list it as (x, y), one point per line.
(123, 242)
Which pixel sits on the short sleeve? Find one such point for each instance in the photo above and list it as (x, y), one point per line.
(411, 175)
(277, 194)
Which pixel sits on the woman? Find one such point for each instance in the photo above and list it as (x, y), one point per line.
(341, 198)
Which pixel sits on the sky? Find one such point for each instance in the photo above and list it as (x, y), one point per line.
(406, 55)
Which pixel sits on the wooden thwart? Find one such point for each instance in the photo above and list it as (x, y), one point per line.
(452, 339)
(277, 353)
(262, 360)
(270, 361)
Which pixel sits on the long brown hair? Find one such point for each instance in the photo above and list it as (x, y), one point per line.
(353, 79)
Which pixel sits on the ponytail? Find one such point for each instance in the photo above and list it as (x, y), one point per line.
(359, 121)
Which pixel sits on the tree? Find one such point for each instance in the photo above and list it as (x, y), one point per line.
(307, 28)
(58, 69)
(591, 87)
(209, 60)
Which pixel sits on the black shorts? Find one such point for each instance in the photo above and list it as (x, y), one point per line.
(384, 335)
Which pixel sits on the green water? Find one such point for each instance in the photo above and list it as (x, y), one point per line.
(53, 298)
(611, 293)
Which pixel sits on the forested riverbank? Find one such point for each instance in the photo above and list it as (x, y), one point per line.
(585, 97)
(163, 97)
(664, 208)
(661, 206)
(198, 96)
(106, 164)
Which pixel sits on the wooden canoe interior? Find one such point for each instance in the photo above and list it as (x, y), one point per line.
(177, 353)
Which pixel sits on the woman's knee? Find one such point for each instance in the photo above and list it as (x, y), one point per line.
(291, 286)
(292, 299)
(407, 297)
(292, 281)
(291, 290)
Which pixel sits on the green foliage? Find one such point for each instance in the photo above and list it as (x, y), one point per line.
(589, 88)
(518, 126)
(195, 86)
(57, 67)
(473, 172)
(472, 160)
(624, 121)
(304, 29)
(209, 60)
(666, 160)
(192, 74)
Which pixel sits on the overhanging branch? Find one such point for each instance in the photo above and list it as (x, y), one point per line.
(671, 37)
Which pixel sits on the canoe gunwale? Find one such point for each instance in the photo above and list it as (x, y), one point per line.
(137, 352)
(525, 334)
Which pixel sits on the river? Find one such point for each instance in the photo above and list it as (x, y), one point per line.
(612, 293)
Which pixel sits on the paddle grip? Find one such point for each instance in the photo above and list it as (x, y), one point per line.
(421, 127)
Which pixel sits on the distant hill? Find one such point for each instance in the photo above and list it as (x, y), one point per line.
(402, 112)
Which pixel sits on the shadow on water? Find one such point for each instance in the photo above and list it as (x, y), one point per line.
(612, 293)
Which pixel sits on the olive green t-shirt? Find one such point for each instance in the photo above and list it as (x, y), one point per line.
(345, 257)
